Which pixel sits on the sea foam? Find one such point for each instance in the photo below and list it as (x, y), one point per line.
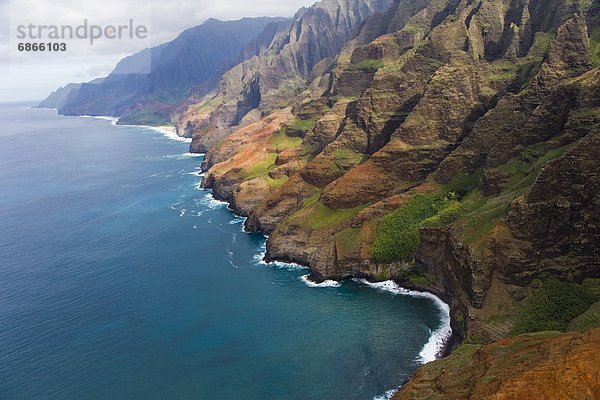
(259, 259)
(387, 395)
(183, 156)
(113, 120)
(168, 131)
(212, 203)
(325, 283)
(435, 345)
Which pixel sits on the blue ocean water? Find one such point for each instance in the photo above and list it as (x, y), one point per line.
(121, 279)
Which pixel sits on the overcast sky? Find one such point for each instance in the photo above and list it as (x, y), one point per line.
(31, 76)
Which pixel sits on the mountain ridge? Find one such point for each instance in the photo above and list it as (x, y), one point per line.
(261, 84)
(452, 155)
(146, 87)
(449, 145)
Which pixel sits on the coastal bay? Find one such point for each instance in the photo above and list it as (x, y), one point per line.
(151, 288)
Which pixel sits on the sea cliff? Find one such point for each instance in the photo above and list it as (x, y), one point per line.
(452, 149)
(447, 145)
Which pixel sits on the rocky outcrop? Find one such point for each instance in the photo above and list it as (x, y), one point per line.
(241, 173)
(452, 149)
(559, 217)
(276, 77)
(549, 230)
(486, 103)
(537, 366)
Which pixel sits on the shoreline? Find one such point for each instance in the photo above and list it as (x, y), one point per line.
(447, 345)
(168, 131)
(450, 339)
(443, 341)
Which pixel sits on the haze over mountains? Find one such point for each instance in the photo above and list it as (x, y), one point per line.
(146, 86)
(450, 145)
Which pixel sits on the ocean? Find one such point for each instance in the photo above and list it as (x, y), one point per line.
(120, 278)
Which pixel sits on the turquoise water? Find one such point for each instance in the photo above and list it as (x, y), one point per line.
(120, 279)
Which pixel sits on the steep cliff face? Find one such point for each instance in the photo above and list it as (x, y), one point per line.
(538, 366)
(145, 87)
(278, 73)
(450, 148)
(539, 182)
(450, 145)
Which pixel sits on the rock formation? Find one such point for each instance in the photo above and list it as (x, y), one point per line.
(452, 148)
(450, 145)
(145, 88)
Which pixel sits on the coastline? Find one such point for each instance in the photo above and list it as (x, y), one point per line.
(169, 131)
(443, 340)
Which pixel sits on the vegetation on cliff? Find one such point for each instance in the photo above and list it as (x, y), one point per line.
(451, 145)
(536, 366)
(552, 307)
(398, 233)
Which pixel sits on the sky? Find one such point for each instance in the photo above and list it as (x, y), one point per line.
(29, 75)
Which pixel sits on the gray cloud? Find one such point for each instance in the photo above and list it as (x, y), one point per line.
(33, 75)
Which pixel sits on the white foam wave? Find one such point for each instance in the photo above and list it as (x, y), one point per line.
(238, 220)
(288, 266)
(212, 203)
(325, 283)
(183, 156)
(167, 131)
(435, 345)
(113, 120)
(259, 259)
(387, 395)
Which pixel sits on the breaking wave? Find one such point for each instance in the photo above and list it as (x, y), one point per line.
(435, 345)
(325, 283)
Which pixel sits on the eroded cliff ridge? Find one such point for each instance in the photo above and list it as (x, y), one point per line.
(146, 87)
(449, 145)
(282, 59)
(457, 151)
